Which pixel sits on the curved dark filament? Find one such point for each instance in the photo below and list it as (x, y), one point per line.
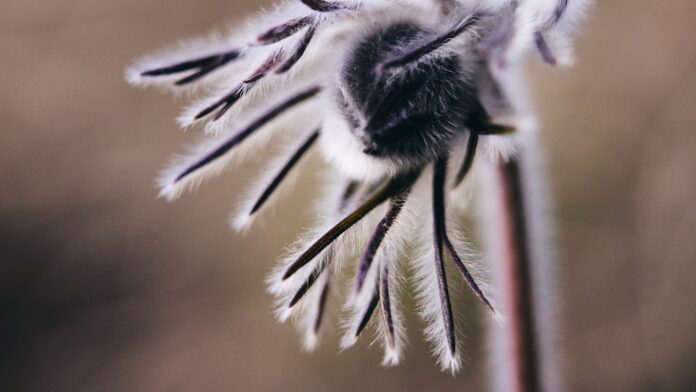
(544, 49)
(558, 12)
(323, 298)
(396, 205)
(457, 261)
(225, 103)
(249, 130)
(282, 174)
(495, 129)
(299, 50)
(271, 61)
(328, 6)
(326, 267)
(387, 315)
(472, 146)
(313, 277)
(439, 175)
(466, 275)
(540, 41)
(202, 66)
(469, 156)
(285, 30)
(394, 187)
(430, 46)
(367, 315)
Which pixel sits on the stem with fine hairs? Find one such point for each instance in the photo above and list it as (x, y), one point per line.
(523, 343)
(516, 277)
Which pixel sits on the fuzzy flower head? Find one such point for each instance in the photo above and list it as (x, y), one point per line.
(387, 95)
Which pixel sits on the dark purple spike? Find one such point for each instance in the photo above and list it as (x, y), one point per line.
(282, 174)
(347, 194)
(328, 6)
(430, 46)
(327, 265)
(544, 49)
(223, 104)
(250, 129)
(300, 49)
(192, 64)
(367, 315)
(321, 306)
(308, 283)
(439, 175)
(378, 235)
(466, 275)
(271, 61)
(203, 65)
(469, 156)
(387, 314)
(196, 75)
(539, 40)
(394, 186)
(285, 30)
(495, 129)
(463, 271)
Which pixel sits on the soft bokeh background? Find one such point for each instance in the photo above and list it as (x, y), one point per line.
(105, 288)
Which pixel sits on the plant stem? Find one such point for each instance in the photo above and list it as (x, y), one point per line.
(523, 343)
(516, 277)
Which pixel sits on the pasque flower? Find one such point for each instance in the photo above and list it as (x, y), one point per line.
(400, 102)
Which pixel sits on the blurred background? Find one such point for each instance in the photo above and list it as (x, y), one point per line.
(104, 287)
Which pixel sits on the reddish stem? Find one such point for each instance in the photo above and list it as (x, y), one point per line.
(516, 282)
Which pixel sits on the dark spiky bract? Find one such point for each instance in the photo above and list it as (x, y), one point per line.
(393, 188)
(246, 132)
(201, 67)
(278, 178)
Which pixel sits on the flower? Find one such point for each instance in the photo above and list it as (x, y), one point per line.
(390, 94)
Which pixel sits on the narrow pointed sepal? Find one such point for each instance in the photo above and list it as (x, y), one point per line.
(192, 171)
(392, 188)
(183, 72)
(279, 178)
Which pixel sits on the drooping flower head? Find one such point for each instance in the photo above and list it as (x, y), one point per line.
(387, 95)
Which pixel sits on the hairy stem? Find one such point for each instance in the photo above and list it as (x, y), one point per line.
(523, 345)
(516, 276)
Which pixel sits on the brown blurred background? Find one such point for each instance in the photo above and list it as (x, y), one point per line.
(105, 288)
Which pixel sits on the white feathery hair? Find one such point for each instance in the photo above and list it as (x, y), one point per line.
(425, 278)
(238, 36)
(245, 214)
(391, 327)
(428, 296)
(333, 258)
(277, 130)
(556, 20)
(387, 268)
